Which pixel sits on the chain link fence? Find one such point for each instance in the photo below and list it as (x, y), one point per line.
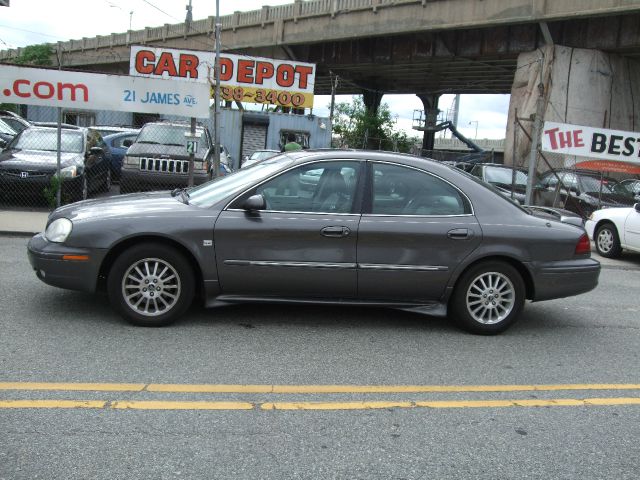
(42, 166)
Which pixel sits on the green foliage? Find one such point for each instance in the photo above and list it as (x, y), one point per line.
(35, 55)
(359, 128)
(51, 192)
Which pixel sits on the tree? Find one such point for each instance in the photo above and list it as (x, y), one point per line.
(359, 128)
(35, 55)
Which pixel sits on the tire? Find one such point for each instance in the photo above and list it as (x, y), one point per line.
(488, 298)
(161, 282)
(607, 241)
(106, 186)
(82, 191)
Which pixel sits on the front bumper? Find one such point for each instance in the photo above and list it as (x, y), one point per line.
(47, 261)
(565, 278)
(136, 180)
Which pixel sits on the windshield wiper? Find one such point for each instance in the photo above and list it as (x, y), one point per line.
(173, 144)
(148, 141)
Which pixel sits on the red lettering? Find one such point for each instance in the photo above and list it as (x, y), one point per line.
(577, 138)
(245, 71)
(263, 70)
(166, 64)
(565, 139)
(226, 69)
(37, 90)
(72, 88)
(16, 86)
(304, 73)
(552, 137)
(145, 60)
(285, 75)
(189, 66)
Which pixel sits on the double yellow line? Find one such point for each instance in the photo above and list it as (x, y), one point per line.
(309, 390)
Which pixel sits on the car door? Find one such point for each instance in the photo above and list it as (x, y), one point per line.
(632, 230)
(415, 229)
(302, 244)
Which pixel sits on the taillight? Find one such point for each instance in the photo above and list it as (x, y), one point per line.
(584, 245)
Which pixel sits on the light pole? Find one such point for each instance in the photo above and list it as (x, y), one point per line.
(476, 122)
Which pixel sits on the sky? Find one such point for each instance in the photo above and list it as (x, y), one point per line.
(29, 22)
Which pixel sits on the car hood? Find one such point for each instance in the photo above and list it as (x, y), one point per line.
(162, 151)
(129, 207)
(38, 158)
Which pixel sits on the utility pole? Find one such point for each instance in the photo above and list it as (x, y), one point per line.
(59, 135)
(334, 85)
(537, 128)
(216, 103)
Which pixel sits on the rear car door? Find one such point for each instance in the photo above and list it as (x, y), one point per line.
(415, 229)
(303, 244)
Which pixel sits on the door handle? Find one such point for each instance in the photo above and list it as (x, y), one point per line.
(338, 232)
(459, 234)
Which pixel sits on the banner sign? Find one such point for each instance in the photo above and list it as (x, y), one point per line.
(243, 79)
(592, 142)
(95, 91)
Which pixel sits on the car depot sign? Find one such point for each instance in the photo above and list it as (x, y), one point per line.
(243, 79)
(94, 91)
(605, 149)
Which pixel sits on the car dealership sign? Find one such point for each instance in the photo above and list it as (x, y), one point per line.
(610, 150)
(243, 79)
(94, 91)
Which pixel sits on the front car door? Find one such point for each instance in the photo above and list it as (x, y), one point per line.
(303, 244)
(415, 229)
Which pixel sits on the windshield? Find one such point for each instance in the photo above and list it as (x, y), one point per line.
(47, 139)
(212, 192)
(504, 176)
(169, 135)
(4, 128)
(592, 184)
(261, 155)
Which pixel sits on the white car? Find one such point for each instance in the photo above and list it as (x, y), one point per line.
(613, 229)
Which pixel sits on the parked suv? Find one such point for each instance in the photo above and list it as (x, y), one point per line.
(584, 191)
(158, 159)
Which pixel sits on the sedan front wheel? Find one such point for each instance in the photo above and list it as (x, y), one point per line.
(488, 298)
(151, 285)
(607, 241)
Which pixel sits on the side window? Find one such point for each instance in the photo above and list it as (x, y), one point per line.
(323, 187)
(405, 191)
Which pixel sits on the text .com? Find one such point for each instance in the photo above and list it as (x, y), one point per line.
(44, 90)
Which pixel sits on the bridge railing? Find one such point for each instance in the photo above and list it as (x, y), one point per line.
(292, 11)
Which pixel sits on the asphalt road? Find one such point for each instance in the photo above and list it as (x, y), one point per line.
(442, 409)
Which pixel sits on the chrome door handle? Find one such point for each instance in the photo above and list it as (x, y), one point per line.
(459, 234)
(338, 232)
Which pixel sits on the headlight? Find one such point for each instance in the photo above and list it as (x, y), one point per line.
(131, 160)
(58, 230)
(69, 172)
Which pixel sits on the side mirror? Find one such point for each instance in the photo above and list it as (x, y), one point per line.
(637, 207)
(96, 150)
(255, 202)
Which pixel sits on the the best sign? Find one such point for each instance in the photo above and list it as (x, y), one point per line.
(94, 91)
(244, 79)
(591, 142)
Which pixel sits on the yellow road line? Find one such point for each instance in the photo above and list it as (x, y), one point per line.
(186, 405)
(305, 389)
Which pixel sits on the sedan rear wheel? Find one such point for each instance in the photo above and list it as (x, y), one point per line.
(151, 285)
(607, 241)
(488, 298)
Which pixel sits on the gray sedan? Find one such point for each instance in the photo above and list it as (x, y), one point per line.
(346, 227)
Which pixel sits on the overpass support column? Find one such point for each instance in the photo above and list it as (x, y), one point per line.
(372, 100)
(430, 103)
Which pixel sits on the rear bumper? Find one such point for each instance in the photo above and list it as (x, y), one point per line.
(564, 279)
(47, 261)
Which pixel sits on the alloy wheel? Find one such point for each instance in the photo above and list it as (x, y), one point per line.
(151, 287)
(490, 298)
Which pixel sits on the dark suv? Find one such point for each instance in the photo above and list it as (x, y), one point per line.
(158, 159)
(583, 191)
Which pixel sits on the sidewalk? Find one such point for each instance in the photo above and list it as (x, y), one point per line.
(18, 222)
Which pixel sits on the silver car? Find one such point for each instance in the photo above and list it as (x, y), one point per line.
(345, 227)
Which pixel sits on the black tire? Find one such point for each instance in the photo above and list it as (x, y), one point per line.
(81, 191)
(161, 289)
(607, 241)
(488, 298)
(106, 185)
